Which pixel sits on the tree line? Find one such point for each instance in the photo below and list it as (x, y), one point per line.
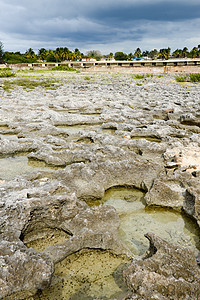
(64, 54)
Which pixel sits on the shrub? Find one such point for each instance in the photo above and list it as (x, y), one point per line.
(62, 68)
(149, 75)
(6, 73)
(192, 77)
(181, 78)
(87, 78)
(142, 76)
(139, 76)
(195, 77)
(28, 84)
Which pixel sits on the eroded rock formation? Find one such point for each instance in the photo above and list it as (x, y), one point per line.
(69, 145)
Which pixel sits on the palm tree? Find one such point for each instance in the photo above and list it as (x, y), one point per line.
(1, 51)
(185, 52)
(177, 53)
(164, 53)
(138, 53)
(130, 56)
(194, 52)
(30, 53)
(42, 54)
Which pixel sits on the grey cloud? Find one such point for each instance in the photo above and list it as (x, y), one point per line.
(157, 11)
(106, 24)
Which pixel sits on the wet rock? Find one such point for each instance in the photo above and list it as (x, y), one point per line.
(90, 137)
(167, 272)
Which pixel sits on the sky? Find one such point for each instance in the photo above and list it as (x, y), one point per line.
(105, 25)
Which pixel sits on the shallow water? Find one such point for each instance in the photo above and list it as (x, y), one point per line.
(41, 239)
(76, 278)
(10, 137)
(11, 167)
(148, 138)
(75, 129)
(136, 220)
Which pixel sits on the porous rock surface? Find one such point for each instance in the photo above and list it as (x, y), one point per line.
(91, 135)
(167, 272)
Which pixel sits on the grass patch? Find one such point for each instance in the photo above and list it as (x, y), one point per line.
(87, 78)
(181, 78)
(62, 68)
(6, 72)
(194, 77)
(132, 107)
(142, 76)
(139, 84)
(28, 84)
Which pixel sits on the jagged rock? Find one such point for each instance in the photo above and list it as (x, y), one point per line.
(22, 271)
(166, 193)
(167, 272)
(89, 137)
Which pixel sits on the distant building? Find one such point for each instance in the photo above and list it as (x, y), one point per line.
(88, 59)
(137, 59)
(108, 59)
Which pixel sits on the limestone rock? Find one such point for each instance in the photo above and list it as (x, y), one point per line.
(167, 272)
(22, 270)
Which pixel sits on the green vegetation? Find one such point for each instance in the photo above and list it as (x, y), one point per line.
(195, 77)
(62, 54)
(192, 77)
(94, 54)
(17, 58)
(28, 84)
(139, 84)
(132, 107)
(120, 56)
(62, 68)
(142, 76)
(6, 72)
(1, 51)
(87, 78)
(164, 53)
(181, 78)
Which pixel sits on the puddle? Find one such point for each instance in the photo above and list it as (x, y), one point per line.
(75, 129)
(43, 238)
(136, 220)
(90, 113)
(86, 275)
(148, 138)
(18, 165)
(86, 140)
(10, 137)
(109, 130)
(4, 127)
(78, 111)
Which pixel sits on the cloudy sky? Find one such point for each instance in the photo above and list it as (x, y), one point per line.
(105, 25)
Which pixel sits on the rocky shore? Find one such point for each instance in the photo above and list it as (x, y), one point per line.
(62, 146)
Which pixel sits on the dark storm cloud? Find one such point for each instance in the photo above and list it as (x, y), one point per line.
(88, 22)
(154, 11)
